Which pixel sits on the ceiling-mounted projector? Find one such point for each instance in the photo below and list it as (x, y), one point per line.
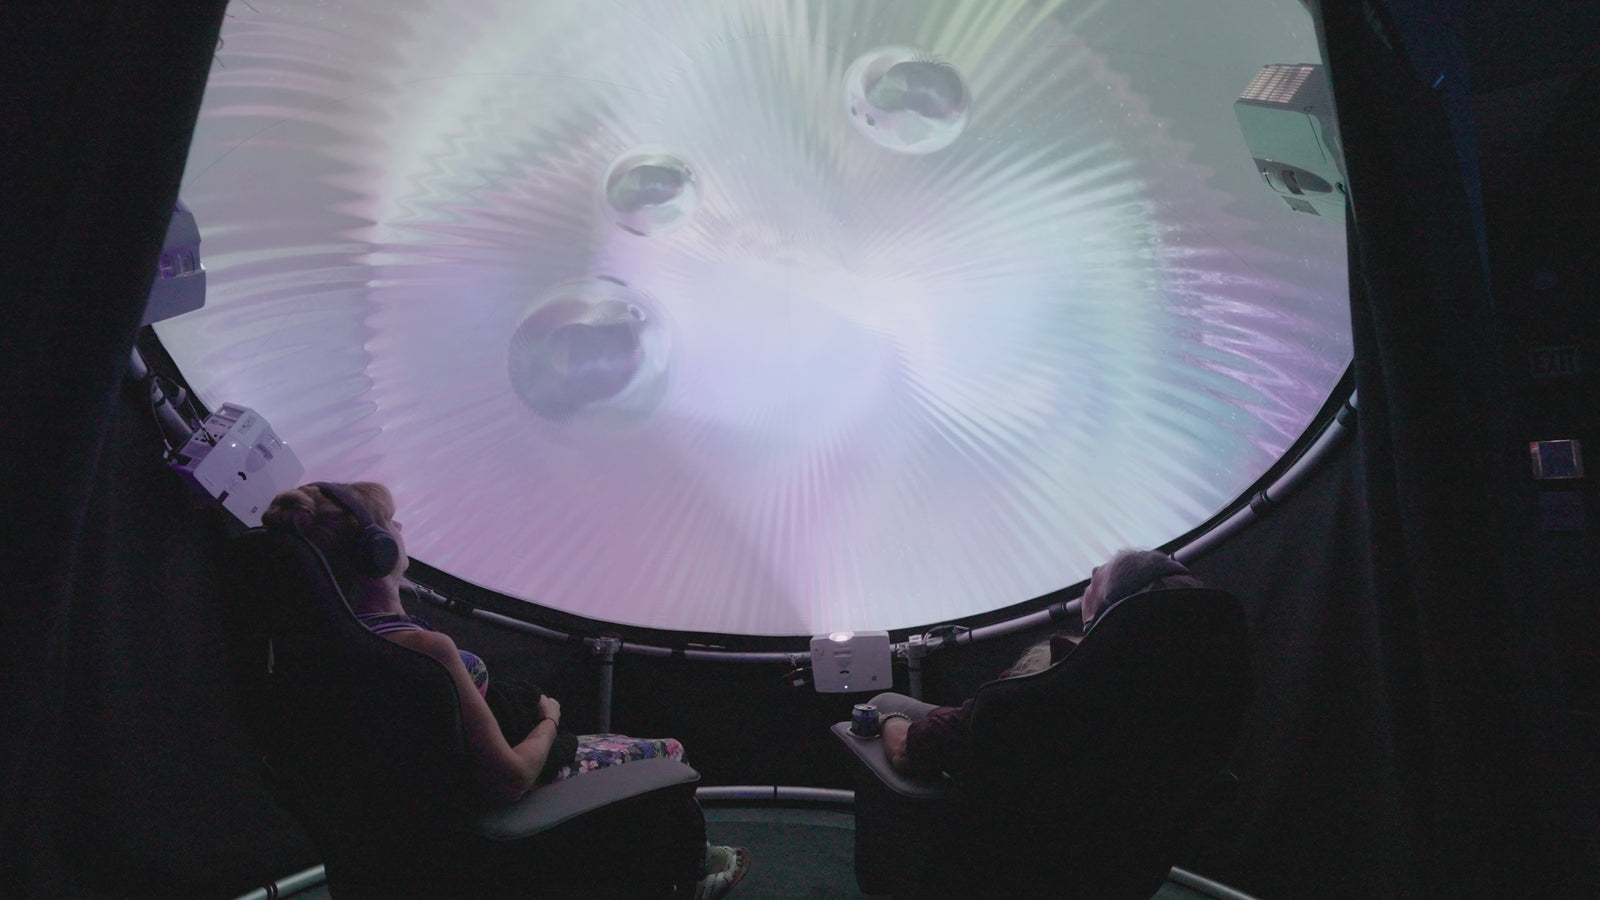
(850, 661)
(237, 459)
(1286, 114)
(180, 282)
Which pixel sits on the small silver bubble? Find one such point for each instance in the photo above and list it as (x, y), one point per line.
(648, 191)
(907, 101)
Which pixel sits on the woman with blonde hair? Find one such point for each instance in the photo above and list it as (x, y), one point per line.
(513, 730)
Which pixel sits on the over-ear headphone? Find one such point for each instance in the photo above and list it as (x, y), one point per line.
(377, 552)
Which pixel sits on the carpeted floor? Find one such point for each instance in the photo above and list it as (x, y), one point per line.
(808, 854)
(798, 854)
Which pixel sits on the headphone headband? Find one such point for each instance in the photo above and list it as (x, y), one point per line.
(376, 551)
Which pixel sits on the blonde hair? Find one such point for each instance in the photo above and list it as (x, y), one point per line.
(323, 522)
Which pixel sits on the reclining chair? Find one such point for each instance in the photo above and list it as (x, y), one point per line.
(1085, 779)
(362, 742)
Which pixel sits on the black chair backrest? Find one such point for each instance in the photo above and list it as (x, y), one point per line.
(1089, 770)
(363, 732)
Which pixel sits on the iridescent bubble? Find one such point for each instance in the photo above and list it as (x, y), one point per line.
(905, 100)
(590, 344)
(648, 191)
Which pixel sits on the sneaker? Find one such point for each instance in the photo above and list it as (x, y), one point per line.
(725, 868)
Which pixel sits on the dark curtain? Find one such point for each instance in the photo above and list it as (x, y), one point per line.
(98, 104)
(1444, 511)
(1323, 802)
(1550, 238)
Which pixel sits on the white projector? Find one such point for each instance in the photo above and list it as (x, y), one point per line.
(1286, 114)
(236, 458)
(847, 661)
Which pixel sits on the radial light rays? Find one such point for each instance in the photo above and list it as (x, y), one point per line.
(882, 374)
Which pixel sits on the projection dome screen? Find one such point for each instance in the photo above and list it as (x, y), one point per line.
(762, 317)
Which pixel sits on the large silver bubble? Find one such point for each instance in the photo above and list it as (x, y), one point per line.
(590, 344)
(905, 100)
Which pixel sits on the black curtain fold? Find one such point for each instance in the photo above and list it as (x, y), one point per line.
(99, 103)
(1322, 806)
(1437, 451)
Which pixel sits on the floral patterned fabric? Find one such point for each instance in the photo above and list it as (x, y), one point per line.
(596, 751)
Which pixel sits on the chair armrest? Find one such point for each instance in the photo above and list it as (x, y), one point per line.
(549, 805)
(870, 752)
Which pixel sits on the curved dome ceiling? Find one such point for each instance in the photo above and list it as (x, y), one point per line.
(762, 316)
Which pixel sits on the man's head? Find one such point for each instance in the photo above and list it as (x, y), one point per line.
(1129, 572)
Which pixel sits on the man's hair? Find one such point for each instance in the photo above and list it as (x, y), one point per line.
(1128, 572)
(1132, 571)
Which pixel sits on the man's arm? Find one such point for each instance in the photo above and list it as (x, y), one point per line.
(933, 744)
(894, 742)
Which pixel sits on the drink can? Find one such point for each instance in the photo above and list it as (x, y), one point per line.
(864, 720)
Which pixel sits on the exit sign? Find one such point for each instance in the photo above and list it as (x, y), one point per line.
(1555, 362)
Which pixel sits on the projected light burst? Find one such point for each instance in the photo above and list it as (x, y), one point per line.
(758, 317)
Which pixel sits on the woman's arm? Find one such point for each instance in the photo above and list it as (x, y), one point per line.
(504, 772)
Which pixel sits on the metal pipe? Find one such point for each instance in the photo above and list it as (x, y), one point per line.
(287, 887)
(606, 648)
(1216, 890)
(1009, 626)
(174, 426)
(774, 793)
(792, 659)
(1341, 426)
(176, 429)
(1209, 541)
(137, 370)
(915, 650)
(508, 622)
(429, 595)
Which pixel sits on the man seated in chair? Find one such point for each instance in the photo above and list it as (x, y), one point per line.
(922, 740)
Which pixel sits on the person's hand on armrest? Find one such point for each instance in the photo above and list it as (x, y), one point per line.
(923, 748)
(894, 743)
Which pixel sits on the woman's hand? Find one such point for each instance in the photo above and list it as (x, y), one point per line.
(550, 709)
